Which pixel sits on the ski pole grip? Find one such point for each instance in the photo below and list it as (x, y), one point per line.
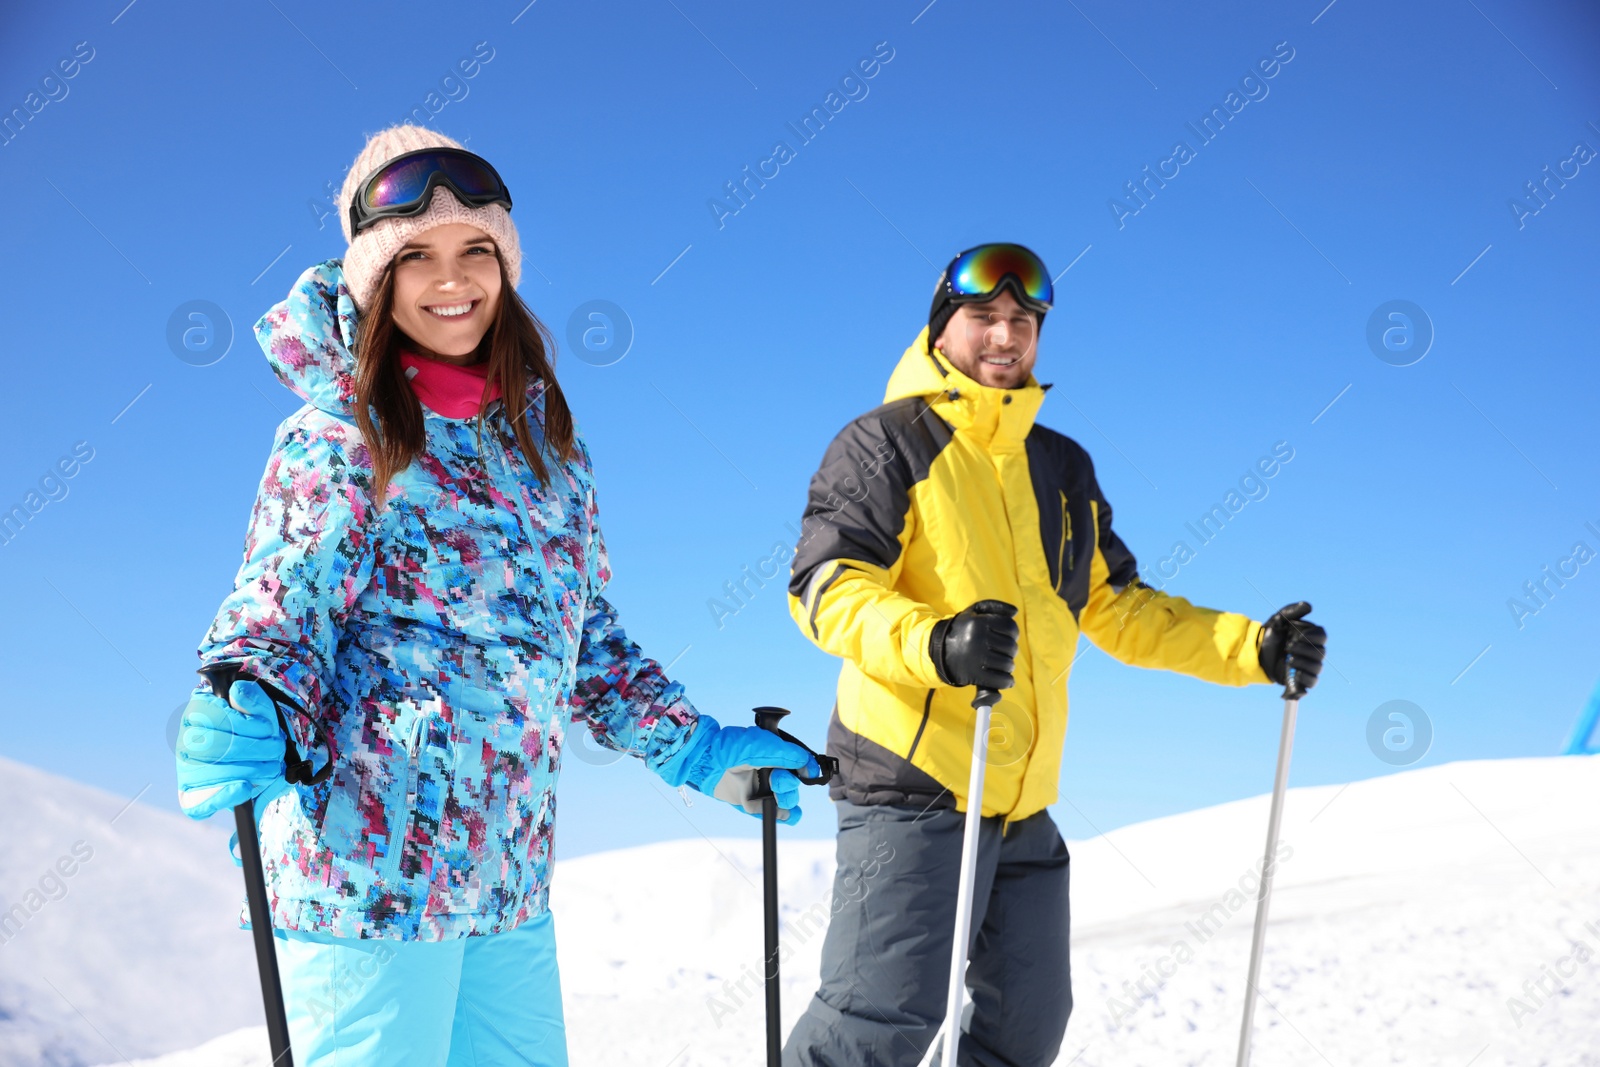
(986, 698)
(1294, 689)
(768, 718)
(297, 771)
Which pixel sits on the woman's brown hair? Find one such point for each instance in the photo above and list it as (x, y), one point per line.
(519, 351)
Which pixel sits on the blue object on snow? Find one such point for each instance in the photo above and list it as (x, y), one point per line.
(1583, 741)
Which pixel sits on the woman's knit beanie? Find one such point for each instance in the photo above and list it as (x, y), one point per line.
(372, 250)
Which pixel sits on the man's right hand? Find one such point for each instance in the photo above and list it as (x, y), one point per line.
(1290, 641)
(977, 646)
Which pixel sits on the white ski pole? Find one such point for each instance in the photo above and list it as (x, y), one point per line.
(1291, 706)
(949, 1035)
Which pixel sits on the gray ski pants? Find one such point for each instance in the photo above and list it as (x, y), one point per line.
(886, 955)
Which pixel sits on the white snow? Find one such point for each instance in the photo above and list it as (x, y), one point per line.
(1411, 908)
(137, 950)
(1414, 922)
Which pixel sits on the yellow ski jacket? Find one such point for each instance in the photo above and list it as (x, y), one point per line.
(948, 494)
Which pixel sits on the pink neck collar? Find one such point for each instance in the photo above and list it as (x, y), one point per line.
(453, 391)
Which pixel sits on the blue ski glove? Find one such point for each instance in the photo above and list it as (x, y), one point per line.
(229, 751)
(722, 761)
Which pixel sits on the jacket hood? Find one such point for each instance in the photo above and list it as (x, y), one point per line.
(987, 412)
(309, 338)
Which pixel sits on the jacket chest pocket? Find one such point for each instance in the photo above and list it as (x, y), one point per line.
(1065, 552)
(500, 743)
(1070, 544)
(402, 805)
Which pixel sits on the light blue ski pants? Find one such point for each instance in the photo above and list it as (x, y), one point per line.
(491, 1001)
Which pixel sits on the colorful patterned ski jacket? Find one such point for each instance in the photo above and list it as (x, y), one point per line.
(441, 644)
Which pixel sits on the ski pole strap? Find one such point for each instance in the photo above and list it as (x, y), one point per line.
(767, 718)
(297, 771)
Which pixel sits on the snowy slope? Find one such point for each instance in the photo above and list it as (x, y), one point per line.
(1410, 912)
(109, 920)
(1410, 909)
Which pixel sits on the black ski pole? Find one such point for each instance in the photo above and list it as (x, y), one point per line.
(768, 719)
(769, 919)
(255, 888)
(255, 892)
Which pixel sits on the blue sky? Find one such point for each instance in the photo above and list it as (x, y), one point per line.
(184, 159)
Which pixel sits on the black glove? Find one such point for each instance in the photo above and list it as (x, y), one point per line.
(1290, 641)
(976, 647)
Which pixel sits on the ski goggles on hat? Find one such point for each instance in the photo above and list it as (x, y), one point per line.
(980, 272)
(404, 185)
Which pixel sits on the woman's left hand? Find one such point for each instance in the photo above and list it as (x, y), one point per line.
(228, 751)
(724, 761)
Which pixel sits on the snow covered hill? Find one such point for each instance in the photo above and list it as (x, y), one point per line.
(109, 926)
(1449, 915)
(1409, 909)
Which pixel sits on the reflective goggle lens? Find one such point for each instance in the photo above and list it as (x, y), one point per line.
(404, 181)
(980, 271)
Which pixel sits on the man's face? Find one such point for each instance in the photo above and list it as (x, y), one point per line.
(994, 343)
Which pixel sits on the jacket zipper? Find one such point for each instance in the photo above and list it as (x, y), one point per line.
(1066, 549)
(927, 705)
(390, 873)
(535, 549)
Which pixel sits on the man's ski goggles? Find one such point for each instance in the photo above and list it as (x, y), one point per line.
(979, 272)
(404, 185)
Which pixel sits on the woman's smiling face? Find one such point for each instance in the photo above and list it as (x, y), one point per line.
(447, 290)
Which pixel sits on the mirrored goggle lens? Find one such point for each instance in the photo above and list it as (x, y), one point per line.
(980, 271)
(405, 182)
